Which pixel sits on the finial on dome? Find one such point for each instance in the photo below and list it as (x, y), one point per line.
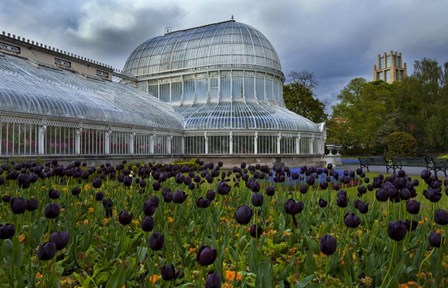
(232, 18)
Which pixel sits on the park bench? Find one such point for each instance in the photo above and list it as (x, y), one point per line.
(365, 162)
(437, 165)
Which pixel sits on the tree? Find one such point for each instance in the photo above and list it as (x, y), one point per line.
(299, 96)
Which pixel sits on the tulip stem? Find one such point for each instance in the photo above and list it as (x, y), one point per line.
(392, 260)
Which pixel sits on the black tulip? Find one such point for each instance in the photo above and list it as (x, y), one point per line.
(46, 251)
(203, 202)
(18, 205)
(322, 203)
(435, 239)
(125, 217)
(7, 231)
(213, 280)
(76, 191)
(32, 204)
(179, 197)
(363, 207)
(328, 244)
(257, 199)
(147, 224)
(156, 241)
(396, 230)
(61, 239)
(341, 201)
(97, 183)
(210, 195)
(54, 194)
(441, 217)
(292, 207)
(6, 198)
(223, 188)
(270, 191)
(52, 210)
(99, 196)
(412, 206)
(381, 195)
(255, 231)
(149, 207)
(351, 220)
(206, 256)
(243, 214)
(168, 272)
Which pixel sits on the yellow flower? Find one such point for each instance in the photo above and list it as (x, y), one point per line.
(85, 222)
(233, 275)
(286, 233)
(153, 278)
(359, 232)
(87, 186)
(38, 275)
(106, 221)
(91, 210)
(22, 238)
(192, 250)
(170, 219)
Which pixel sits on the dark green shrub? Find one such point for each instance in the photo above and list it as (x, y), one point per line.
(400, 144)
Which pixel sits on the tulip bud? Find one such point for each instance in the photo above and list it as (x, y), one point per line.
(168, 273)
(206, 256)
(322, 203)
(52, 210)
(32, 204)
(156, 241)
(223, 188)
(7, 231)
(328, 244)
(213, 280)
(351, 220)
(18, 205)
(76, 191)
(396, 230)
(99, 196)
(60, 239)
(147, 224)
(255, 231)
(125, 217)
(435, 239)
(412, 206)
(270, 191)
(46, 251)
(441, 217)
(202, 202)
(257, 199)
(243, 214)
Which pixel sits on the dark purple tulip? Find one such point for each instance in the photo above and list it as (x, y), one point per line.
(99, 196)
(425, 174)
(243, 214)
(167, 195)
(255, 230)
(18, 205)
(32, 204)
(363, 207)
(203, 202)
(52, 210)
(156, 241)
(223, 188)
(257, 199)
(323, 185)
(76, 191)
(125, 217)
(441, 217)
(435, 239)
(411, 225)
(341, 201)
(127, 181)
(107, 204)
(303, 189)
(23, 181)
(54, 194)
(150, 206)
(292, 207)
(381, 195)
(213, 280)
(206, 256)
(7, 231)
(328, 244)
(6, 198)
(147, 224)
(60, 239)
(351, 220)
(179, 197)
(210, 195)
(412, 206)
(168, 272)
(46, 251)
(270, 191)
(97, 183)
(322, 203)
(255, 186)
(396, 230)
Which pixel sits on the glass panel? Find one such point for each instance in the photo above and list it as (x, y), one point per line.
(249, 83)
(165, 92)
(189, 88)
(218, 144)
(243, 144)
(237, 85)
(176, 91)
(226, 84)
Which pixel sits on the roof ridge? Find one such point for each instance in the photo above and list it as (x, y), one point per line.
(197, 27)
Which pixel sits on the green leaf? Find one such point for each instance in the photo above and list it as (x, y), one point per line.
(307, 280)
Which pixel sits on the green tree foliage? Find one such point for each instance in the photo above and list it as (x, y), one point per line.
(401, 144)
(370, 111)
(299, 96)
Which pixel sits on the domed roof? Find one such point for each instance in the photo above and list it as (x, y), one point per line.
(229, 43)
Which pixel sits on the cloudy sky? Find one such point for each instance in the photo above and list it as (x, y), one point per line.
(336, 40)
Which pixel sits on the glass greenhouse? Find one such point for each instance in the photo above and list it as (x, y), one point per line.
(225, 80)
(211, 90)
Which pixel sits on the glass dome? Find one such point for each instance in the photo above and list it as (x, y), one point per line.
(28, 87)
